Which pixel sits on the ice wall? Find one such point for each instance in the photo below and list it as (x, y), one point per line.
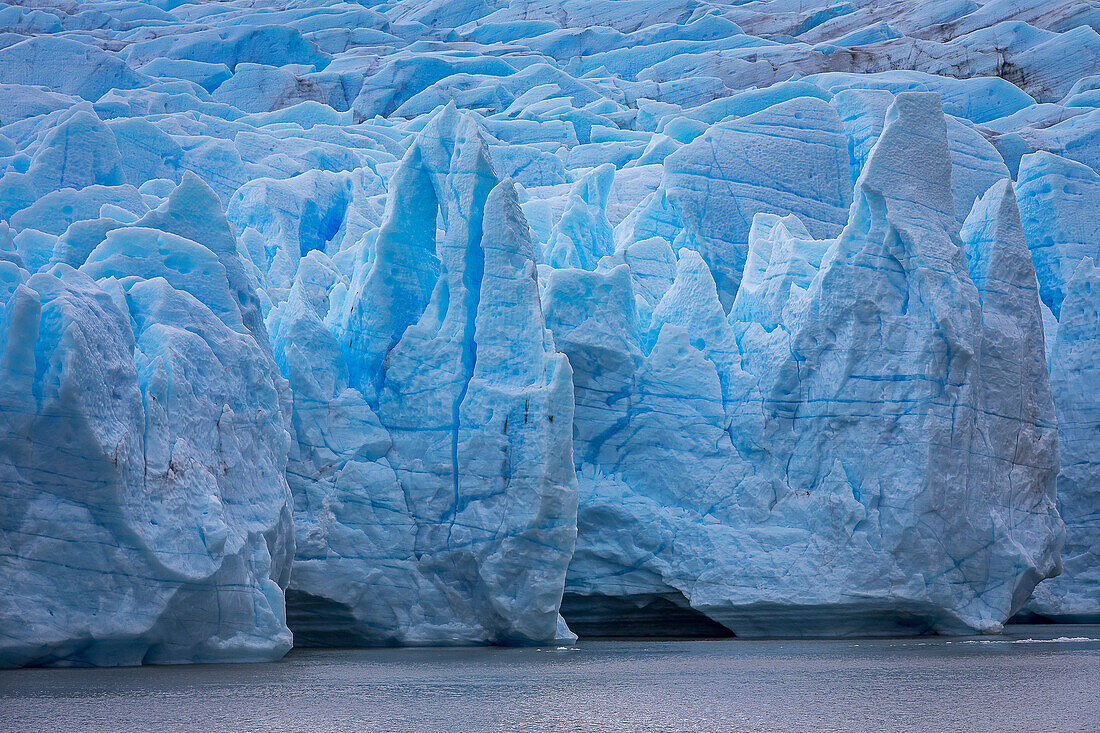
(795, 467)
(1059, 203)
(146, 516)
(396, 323)
(435, 499)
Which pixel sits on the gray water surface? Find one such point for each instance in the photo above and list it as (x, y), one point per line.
(1032, 679)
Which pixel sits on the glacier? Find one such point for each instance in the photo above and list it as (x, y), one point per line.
(779, 411)
(499, 322)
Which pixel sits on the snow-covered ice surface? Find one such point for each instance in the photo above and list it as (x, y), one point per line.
(400, 320)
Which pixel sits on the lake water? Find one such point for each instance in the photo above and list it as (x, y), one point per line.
(1036, 678)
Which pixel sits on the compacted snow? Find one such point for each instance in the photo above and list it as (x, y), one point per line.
(400, 321)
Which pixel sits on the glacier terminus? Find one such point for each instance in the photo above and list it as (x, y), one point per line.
(456, 322)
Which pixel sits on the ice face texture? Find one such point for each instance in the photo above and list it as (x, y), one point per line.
(1075, 595)
(1059, 203)
(853, 377)
(434, 488)
(421, 322)
(146, 513)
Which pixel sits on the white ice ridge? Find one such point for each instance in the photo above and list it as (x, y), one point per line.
(422, 321)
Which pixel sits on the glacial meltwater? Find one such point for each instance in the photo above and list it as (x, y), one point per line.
(1033, 678)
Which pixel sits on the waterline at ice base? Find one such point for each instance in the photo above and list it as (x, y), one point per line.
(419, 323)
